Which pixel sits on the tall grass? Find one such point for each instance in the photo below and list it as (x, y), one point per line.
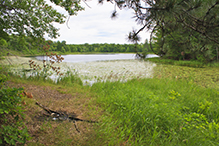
(158, 112)
(70, 77)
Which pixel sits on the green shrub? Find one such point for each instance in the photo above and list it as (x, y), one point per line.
(12, 130)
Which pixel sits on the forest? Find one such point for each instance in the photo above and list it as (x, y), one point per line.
(27, 45)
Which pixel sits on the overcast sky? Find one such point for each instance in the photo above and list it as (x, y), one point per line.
(94, 25)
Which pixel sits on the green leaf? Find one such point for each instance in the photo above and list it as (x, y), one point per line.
(16, 118)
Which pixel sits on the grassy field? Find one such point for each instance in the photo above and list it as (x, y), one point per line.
(178, 106)
(159, 112)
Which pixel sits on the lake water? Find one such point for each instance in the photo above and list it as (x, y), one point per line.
(96, 57)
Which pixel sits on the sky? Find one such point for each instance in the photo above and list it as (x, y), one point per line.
(94, 25)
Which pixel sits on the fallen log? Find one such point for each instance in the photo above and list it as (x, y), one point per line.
(55, 115)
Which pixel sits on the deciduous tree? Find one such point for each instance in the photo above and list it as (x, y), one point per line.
(33, 17)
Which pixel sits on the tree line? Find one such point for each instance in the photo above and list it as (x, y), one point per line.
(126, 48)
(28, 45)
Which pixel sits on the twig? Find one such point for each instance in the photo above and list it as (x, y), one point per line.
(77, 119)
(67, 22)
(86, 3)
(76, 127)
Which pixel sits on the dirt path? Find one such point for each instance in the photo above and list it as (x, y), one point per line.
(46, 132)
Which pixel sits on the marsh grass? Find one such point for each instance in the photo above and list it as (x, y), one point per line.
(158, 112)
(188, 63)
(177, 62)
(207, 77)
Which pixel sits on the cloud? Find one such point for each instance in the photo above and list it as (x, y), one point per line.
(94, 25)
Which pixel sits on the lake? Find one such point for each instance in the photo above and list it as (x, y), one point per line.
(106, 67)
(93, 67)
(96, 57)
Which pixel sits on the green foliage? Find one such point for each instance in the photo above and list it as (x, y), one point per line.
(3, 43)
(3, 76)
(177, 27)
(62, 47)
(32, 18)
(63, 50)
(178, 47)
(158, 112)
(28, 45)
(12, 129)
(71, 6)
(25, 45)
(25, 29)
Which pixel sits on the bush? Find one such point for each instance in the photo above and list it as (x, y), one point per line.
(12, 130)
